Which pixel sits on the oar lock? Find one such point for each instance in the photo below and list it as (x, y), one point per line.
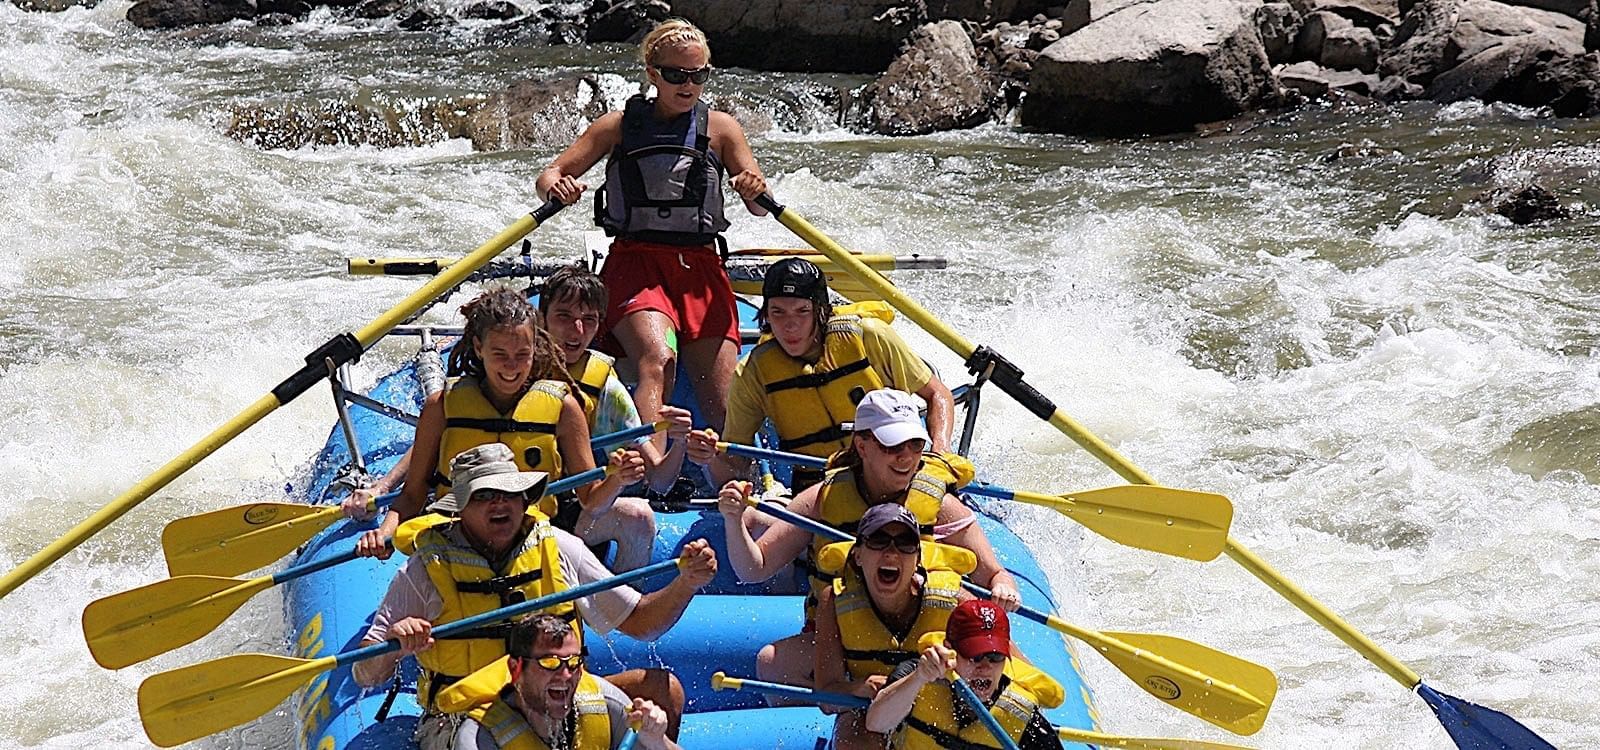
(339, 350)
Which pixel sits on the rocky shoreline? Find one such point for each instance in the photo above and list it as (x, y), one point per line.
(1121, 68)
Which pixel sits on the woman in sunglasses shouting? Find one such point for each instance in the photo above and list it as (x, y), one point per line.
(885, 465)
(893, 588)
(663, 202)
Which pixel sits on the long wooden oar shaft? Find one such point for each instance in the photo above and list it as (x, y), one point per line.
(346, 347)
(1008, 378)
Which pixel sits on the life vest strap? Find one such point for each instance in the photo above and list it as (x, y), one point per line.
(818, 379)
(499, 425)
(885, 656)
(824, 435)
(498, 585)
(942, 738)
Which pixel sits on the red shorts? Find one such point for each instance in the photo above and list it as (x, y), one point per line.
(686, 284)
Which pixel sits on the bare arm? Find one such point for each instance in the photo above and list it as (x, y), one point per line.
(990, 573)
(664, 467)
(941, 412)
(659, 610)
(597, 140)
(736, 155)
(421, 462)
(893, 703)
(779, 545)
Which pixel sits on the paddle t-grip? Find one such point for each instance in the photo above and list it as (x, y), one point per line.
(986, 362)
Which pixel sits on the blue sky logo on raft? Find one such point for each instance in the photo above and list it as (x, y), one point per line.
(1162, 687)
(257, 515)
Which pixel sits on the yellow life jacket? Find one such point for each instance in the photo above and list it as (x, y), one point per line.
(841, 505)
(591, 374)
(530, 430)
(468, 586)
(932, 723)
(482, 696)
(869, 646)
(809, 403)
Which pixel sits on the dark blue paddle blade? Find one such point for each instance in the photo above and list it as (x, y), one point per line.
(1474, 727)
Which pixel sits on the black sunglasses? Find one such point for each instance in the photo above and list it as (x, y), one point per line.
(993, 657)
(680, 76)
(907, 543)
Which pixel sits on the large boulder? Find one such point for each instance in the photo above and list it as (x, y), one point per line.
(1279, 25)
(172, 14)
(544, 113)
(847, 36)
(1353, 48)
(1152, 68)
(1438, 35)
(623, 20)
(936, 84)
(1369, 14)
(1525, 71)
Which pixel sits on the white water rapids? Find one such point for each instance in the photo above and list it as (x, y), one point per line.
(1399, 399)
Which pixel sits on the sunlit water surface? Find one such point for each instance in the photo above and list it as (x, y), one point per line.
(1396, 390)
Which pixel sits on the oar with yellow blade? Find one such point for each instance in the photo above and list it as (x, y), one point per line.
(234, 541)
(189, 703)
(1183, 523)
(346, 347)
(1221, 688)
(1470, 725)
(720, 681)
(134, 625)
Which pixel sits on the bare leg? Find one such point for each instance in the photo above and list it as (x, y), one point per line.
(630, 523)
(644, 335)
(788, 661)
(657, 686)
(709, 363)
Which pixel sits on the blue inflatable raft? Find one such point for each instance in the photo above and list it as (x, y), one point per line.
(722, 630)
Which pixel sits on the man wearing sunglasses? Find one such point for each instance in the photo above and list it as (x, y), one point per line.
(922, 710)
(494, 550)
(551, 701)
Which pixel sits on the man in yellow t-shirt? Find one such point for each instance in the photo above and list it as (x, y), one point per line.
(809, 376)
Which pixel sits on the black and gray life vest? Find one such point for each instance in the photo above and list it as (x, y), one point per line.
(663, 182)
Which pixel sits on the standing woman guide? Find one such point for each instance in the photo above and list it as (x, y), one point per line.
(662, 200)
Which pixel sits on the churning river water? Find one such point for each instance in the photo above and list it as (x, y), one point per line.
(1313, 316)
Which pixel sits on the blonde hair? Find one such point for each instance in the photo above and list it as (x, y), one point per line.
(673, 32)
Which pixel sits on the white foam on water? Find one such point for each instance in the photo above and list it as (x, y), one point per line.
(1222, 321)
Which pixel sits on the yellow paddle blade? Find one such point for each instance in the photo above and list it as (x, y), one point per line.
(189, 703)
(127, 628)
(234, 541)
(1139, 743)
(1221, 688)
(1183, 523)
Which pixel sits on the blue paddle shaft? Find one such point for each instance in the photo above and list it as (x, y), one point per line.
(842, 700)
(507, 613)
(782, 457)
(975, 703)
(989, 490)
(628, 739)
(299, 571)
(576, 480)
(622, 436)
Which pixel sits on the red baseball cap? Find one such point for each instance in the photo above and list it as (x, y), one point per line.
(978, 627)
